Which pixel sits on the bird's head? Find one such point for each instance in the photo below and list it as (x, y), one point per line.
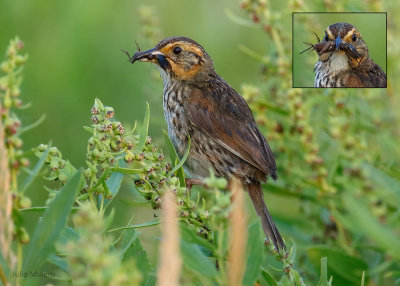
(344, 38)
(179, 58)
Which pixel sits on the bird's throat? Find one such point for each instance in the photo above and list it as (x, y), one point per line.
(338, 61)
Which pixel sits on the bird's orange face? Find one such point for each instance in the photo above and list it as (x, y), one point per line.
(180, 57)
(344, 38)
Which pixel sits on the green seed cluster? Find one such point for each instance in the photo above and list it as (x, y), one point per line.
(90, 261)
(107, 144)
(9, 99)
(10, 81)
(55, 162)
(156, 178)
(149, 23)
(111, 149)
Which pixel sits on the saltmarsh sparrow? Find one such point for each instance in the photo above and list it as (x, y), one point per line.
(344, 60)
(224, 136)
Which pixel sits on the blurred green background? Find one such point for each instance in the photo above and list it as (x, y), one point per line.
(372, 27)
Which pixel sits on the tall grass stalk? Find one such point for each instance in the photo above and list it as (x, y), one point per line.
(170, 258)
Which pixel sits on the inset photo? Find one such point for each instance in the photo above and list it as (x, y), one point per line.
(339, 50)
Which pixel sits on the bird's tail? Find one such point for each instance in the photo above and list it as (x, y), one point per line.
(268, 225)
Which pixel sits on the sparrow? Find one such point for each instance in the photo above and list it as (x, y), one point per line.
(344, 60)
(200, 104)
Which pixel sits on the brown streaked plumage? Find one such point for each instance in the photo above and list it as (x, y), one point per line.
(224, 135)
(344, 60)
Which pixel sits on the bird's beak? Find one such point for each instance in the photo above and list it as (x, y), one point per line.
(152, 55)
(145, 56)
(338, 41)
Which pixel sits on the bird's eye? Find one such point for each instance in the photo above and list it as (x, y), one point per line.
(354, 37)
(177, 50)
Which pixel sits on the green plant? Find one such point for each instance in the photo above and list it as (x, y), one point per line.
(331, 161)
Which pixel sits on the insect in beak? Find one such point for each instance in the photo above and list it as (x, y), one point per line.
(143, 56)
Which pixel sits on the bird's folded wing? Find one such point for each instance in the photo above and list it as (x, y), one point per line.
(368, 75)
(223, 115)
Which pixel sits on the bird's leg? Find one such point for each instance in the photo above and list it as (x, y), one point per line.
(190, 182)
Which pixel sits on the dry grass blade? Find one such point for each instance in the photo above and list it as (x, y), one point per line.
(6, 223)
(170, 258)
(237, 235)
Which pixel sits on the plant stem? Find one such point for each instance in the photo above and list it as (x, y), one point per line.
(19, 266)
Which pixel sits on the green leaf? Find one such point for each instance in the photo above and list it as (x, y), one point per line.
(323, 280)
(171, 149)
(331, 156)
(33, 125)
(238, 20)
(389, 187)
(145, 224)
(267, 103)
(58, 261)
(132, 248)
(127, 171)
(33, 210)
(51, 225)
(69, 170)
(182, 161)
(145, 128)
(68, 234)
(4, 270)
(268, 277)
(255, 253)
(108, 220)
(35, 172)
(173, 157)
(369, 225)
(106, 173)
(113, 184)
(283, 191)
(40, 209)
(191, 237)
(194, 259)
(345, 269)
(363, 279)
(89, 129)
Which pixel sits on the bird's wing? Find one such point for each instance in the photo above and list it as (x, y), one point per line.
(368, 75)
(222, 114)
(379, 76)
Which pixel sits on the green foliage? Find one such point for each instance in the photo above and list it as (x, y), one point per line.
(50, 226)
(91, 259)
(254, 255)
(333, 165)
(345, 269)
(324, 274)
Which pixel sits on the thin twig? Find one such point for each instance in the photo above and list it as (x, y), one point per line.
(6, 222)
